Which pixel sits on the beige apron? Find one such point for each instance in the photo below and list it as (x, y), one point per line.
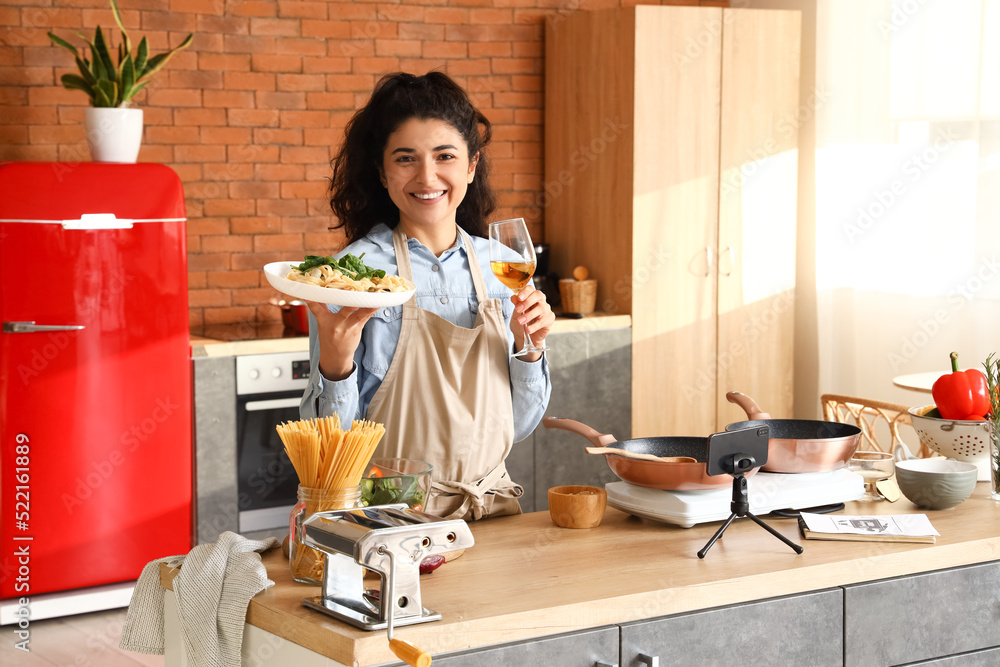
(446, 399)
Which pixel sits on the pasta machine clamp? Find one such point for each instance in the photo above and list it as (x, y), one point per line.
(390, 540)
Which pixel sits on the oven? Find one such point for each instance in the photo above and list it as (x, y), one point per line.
(269, 388)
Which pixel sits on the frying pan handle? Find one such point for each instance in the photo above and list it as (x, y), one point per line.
(599, 439)
(748, 404)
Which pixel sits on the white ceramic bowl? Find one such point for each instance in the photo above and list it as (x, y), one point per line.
(936, 484)
(954, 438)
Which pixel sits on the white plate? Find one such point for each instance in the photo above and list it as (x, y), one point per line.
(276, 272)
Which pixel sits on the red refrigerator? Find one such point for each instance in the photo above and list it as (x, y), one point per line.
(95, 382)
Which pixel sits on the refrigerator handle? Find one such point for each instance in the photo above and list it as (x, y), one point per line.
(31, 327)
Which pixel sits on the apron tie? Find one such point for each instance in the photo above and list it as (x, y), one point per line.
(474, 492)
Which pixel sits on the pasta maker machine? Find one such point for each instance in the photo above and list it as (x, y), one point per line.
(389, 540)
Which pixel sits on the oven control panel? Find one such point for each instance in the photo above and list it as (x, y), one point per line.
(272, 373)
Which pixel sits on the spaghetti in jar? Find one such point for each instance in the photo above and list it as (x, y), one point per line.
(329, 462)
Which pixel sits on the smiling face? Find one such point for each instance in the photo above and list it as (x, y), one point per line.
(426, 170)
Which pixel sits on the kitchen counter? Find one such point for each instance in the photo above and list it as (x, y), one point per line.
(240, 339)
(526, 578)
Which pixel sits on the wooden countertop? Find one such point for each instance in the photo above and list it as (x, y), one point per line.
(202, 346)
(526, 578)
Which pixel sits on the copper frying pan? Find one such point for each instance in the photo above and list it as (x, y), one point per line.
(669, 476)
(799, 445)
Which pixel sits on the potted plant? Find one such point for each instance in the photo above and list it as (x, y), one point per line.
(114, 129)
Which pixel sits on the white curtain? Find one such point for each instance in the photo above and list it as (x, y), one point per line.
(907, 191)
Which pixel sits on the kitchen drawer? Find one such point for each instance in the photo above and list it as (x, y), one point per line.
(577, 649)
(924, 616)
(798, 630)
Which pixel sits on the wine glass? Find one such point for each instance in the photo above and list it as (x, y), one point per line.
(873, 467)
(512, 259)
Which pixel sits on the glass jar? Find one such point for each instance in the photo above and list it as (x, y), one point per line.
(994, 430)
(307, 563)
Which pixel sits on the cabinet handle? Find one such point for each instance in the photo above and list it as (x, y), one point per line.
(649, 660)
(605, 663)
(709, 261)
(31, 327)
(732, 261)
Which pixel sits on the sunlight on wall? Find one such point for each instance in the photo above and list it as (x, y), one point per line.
(907, 189)
(768, 259)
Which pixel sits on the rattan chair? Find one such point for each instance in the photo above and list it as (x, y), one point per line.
(880, 423)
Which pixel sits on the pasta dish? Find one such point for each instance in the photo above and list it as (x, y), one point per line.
(347, 273)
(327, 276)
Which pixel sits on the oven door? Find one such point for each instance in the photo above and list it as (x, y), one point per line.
(267, 483)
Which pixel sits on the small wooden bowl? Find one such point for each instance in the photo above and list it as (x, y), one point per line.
(577, 506)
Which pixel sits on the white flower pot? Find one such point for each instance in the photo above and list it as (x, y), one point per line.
(113, 134)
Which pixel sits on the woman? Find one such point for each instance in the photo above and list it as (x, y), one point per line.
(410, 189)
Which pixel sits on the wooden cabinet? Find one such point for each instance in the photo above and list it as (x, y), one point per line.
(670, 172)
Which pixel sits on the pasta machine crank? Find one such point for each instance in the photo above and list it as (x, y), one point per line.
(390, 540)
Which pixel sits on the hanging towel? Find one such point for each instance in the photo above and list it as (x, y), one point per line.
(212, 589)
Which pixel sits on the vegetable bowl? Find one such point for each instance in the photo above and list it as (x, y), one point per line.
(387, 481)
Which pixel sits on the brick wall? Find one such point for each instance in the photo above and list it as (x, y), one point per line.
(250, 115)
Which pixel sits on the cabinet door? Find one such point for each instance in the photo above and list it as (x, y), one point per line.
(758, 176)
(922, 617)
(578, 649)
(671, 279)
(800, 630)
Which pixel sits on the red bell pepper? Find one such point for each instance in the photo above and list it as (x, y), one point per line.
(961, 395)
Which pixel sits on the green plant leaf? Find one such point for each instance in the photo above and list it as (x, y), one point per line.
(84, 66)
(74, 82)
(127, 78)
(156, 63)
(121, 26)
(97, 67)
(140, 58)
(106, 83)
(59, 41)
(107, 93)
(101, 51)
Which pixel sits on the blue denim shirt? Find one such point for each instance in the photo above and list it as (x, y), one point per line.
(444, 286)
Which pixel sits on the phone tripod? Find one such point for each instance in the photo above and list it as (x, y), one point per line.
(741, 503)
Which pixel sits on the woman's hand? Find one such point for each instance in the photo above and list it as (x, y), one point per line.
(532, 314)
(339, 335)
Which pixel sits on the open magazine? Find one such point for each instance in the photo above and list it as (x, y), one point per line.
(881, 528)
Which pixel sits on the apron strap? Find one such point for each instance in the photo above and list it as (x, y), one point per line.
(474, 491)
(477, 274)
(399, 243)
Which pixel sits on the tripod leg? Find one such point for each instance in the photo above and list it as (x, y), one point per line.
(797, 548)
(718, 534)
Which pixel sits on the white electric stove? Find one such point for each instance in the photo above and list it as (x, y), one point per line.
(767, 491)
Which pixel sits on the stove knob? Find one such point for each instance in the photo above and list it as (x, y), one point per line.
(276, 372)
(254, 373)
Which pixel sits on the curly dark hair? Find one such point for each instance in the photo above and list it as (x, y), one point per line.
(357, 196)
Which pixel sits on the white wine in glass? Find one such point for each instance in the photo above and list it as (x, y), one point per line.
(512, 259)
